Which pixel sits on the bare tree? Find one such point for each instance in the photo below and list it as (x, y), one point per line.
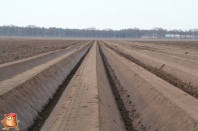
(196, 32)
(180, 33)
(32, 31)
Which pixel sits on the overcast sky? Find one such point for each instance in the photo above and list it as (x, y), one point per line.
(102, 14)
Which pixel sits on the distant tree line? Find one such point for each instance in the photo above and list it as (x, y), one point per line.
(34, 31)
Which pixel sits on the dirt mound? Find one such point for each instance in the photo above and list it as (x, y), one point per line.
(162, 74)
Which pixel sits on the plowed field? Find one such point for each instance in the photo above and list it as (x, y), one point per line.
(106, 85)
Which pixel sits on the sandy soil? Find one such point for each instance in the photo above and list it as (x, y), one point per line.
(87, 104)
(36, 86)
(152, 103)
(174, 68)
(193, 44)
(114, 85)
(15, 49)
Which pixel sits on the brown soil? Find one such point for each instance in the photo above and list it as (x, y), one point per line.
(186, 87)
(193, 44)
(44, 114)
(143, 46)
(115, 86)
(11, 50)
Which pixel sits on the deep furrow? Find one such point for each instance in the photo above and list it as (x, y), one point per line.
(47, 109)
(186, 87)
(115, 85)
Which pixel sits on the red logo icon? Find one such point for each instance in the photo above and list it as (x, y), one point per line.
(10, 121)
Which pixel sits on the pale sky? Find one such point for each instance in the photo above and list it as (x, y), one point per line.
(101, 14)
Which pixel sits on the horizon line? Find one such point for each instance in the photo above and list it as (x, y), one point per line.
(94, 28)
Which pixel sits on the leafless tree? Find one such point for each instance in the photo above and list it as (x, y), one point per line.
(32, 31)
